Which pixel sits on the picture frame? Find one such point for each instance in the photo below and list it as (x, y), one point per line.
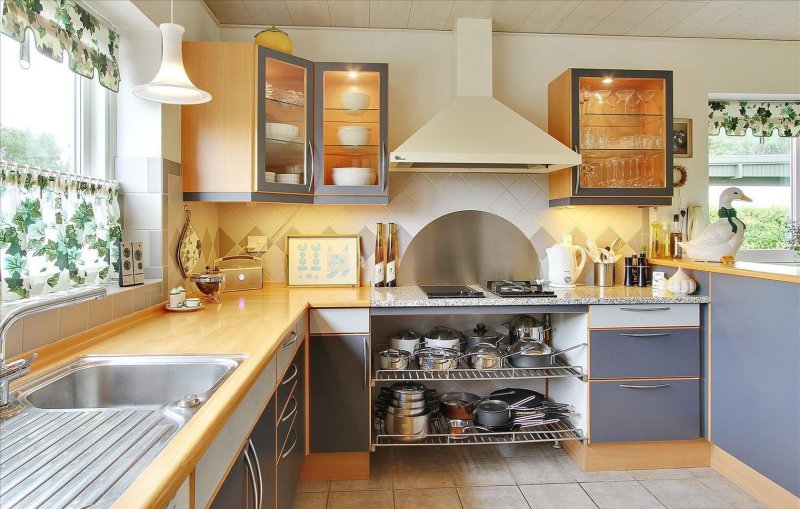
(323, 260)
(682, 137)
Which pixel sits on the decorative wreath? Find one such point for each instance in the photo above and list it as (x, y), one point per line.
(680, 182)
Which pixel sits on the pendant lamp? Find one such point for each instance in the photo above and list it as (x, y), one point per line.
(171, 85)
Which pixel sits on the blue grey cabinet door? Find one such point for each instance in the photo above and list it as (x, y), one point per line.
(263, 440)
(339, 407)
(644, 410)
(236, 491)
(644, 353)
(755, 374)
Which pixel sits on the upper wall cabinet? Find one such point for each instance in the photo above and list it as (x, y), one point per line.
(620, 121)
(279, 126)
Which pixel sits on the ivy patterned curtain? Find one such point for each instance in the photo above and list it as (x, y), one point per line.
(63, 25)
(761, 117)
(57, 231)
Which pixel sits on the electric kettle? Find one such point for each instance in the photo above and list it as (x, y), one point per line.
(565, 262)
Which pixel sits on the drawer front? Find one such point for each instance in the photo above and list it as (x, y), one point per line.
(290, 462)
(339, 321)
(289, 345)
(293, 377)
(644, 315)
(287, 419)
(640, 411)
(644, 353)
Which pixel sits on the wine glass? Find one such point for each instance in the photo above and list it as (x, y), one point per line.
(600, 96)
(612, 100)
(585, 97)
(645, 96)
(625, 96)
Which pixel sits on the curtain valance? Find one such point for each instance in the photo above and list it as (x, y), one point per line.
(761, 117)
(63, 25)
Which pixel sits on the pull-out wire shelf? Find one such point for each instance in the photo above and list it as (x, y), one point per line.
(463, 373)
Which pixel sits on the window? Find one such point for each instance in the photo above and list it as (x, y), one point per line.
(51, 117)
(765, 168)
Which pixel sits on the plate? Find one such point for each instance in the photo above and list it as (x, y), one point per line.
(185, 308)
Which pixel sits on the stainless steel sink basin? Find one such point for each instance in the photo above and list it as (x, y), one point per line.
(128, 381)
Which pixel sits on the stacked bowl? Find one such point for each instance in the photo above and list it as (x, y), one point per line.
(353, 176)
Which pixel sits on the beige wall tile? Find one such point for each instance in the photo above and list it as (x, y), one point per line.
(156, 293)
(140, 299)
(73, 319)
(121, 304)
(100, 312)
(39, 330)
(14, 340)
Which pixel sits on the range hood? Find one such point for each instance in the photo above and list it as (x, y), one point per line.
(476, 132)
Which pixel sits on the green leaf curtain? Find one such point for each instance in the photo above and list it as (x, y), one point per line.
(63, 25)
(762, 118)
(57, 231)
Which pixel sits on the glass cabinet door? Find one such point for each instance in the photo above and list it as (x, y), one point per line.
(284, 144)
(351, 132)
(624, 133)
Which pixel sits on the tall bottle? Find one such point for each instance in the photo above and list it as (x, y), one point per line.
(391, 256)
(380, 258)
(675, 236)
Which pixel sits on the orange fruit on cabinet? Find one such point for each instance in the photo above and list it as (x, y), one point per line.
(275, 38)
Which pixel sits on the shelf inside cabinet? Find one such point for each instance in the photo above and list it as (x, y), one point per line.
(468, 374)
(611, 152)
(285, 105)
(619, 119)
(351, 150)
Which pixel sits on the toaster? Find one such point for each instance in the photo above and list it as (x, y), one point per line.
(242, 272)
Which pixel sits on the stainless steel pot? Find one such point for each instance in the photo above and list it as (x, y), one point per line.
(393, 359)
(525, 327)
(411, 428)
(438, 359)
(484, 356)
(481, 335)
(405, 391)
(410, 405)
(443, 337)
(407, 340)
(535, 354)
(458, 405)
(496, 412)
(408, 412)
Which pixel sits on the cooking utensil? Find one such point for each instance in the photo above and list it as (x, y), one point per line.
(513, 396)
(457, 427)
(496, 412)
(415, 427)
(407, 390)
(481, 335)
(484, 356)
(592, 250)
(406, 339)
(525, 327)
(210, 283)
(408, 412)
(443, 337)
(437, 359)
(535, 354)
(393, 359)
(458, 405)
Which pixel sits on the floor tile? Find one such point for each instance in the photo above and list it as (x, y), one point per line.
(482, 472)
(579, 475)
(505, 497)
(531, 470)
(478, 451)
(685, 494)
(418, 465)
(422, 479)
(313, 486)
(621, 495)
(361, 500)
(731, 493)
(310, 500)
(380, 478)
(527, 450)
(703, 472)
(557, 496)
(661, 473)
(439, 498)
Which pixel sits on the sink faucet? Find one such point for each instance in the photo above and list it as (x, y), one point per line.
(21, 367)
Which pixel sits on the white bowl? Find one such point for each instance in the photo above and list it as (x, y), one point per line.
(354, 101)
(353, 135)
(269, 176)
(353, 176)
(281, 132)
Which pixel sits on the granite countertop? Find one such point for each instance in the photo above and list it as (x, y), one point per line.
(412, 296)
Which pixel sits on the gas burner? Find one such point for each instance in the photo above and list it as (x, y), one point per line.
(509, 288)
(451, 292)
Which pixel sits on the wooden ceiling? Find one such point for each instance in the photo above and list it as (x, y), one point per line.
(716, 19)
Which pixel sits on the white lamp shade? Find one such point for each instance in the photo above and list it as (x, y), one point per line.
(171, 85)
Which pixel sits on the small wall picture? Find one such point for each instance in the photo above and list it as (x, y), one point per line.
(682, 137)
(322, 260)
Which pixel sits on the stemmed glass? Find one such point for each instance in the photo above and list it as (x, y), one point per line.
(587, 174)
(601, 96)
(612, 101)
(585, 97)
(625, 96)
(645, 96)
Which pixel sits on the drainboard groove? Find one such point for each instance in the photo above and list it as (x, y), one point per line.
(21, 422)
(42, 426)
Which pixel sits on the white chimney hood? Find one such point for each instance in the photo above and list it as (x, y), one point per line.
(476, 132)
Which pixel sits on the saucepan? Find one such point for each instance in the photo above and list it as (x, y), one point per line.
(437, 359)
(496, 413)
(392, 359)
(535, 354)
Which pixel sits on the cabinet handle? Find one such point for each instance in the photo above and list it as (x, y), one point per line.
(577, 180)
(292, 447)
(665, 308)
(294, 375)
(290, 414)
(659, 386)
(648, 335)
(260, 477)
(292, 341)
(366, 367)
(252, 475)
(385, 176)
(311, 150)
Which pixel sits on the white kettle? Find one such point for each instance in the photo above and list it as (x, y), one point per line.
(565, 262)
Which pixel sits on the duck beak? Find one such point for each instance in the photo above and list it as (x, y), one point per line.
(744, 197)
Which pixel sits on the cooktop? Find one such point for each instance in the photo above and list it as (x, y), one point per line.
(451, 292)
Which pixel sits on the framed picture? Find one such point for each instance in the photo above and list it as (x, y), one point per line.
(323, 260)
(682, 137)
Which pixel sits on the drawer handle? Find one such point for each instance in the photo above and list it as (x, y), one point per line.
(292, 447)
(659, 386)
(665, 308)
(294, 375)
(253, 478)
(292, 341)
(260, 498)
(290, 414)
(646, 335)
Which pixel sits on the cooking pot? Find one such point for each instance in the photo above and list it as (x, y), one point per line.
(481, 335)
(406, 391)
(484, 356)
(496, 413)
(414, 427)
(407, 340)
(443, 337)
(458, 405)
(535, 354)
(437, 359)
(525, 327)
(393, 359)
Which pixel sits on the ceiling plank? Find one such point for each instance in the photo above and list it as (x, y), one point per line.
(665, 17)
(629, 14)
(508, 15)
(547, 15)
(469, 9)
(595, 9)
(427, 15)
(349, 13)
(268, 13)
(230, 12)
(310, 13)
(389, 13)
(710, 14)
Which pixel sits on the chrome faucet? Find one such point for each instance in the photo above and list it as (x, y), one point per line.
(21, 367)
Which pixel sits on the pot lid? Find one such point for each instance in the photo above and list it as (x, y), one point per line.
(395, 354)
(480, 332)
(524, 322)
(532, 348)
(492, 406)
(408, 387)
(484, 348)
(406, 334)
(443, 333)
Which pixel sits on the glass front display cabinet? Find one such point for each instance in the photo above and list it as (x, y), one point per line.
(620, 121)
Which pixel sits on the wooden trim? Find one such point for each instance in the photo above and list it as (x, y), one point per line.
(191, 488)
(639, 455)
(336, 466)
(744, 269)
(754, 483)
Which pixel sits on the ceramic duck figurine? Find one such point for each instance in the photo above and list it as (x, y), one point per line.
(721, 240)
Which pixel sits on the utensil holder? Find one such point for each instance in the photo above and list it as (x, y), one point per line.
(604, 274)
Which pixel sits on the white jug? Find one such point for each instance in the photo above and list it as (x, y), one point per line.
(565, 262)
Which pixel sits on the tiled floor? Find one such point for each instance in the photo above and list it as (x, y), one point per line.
(534, 476)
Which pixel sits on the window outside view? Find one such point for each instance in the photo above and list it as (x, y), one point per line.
(762, 168)
(37, 109)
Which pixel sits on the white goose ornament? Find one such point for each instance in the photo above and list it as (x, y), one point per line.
(721, 240)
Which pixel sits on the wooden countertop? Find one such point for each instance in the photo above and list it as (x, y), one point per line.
(771, 271)
(249, 323)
